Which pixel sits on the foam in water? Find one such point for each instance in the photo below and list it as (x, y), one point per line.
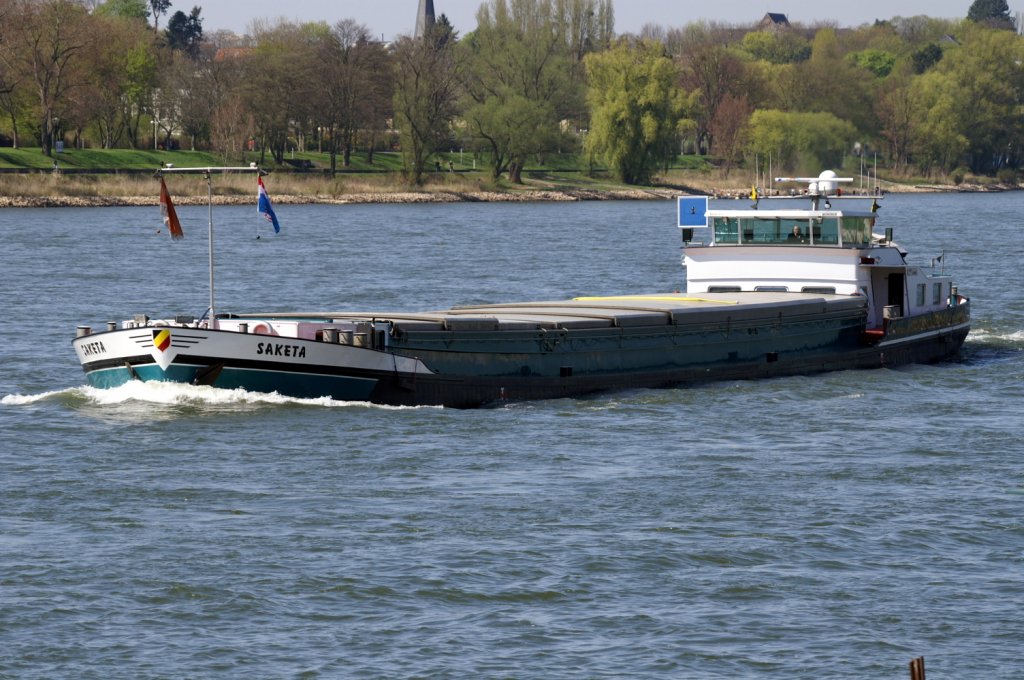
(984, 335)
(178, 394)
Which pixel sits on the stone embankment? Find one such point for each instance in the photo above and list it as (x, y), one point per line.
(442, 196)
(379, 197)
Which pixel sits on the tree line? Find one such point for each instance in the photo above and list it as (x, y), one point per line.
(535, 77)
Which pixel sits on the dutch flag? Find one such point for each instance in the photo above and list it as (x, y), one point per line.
(264, 206)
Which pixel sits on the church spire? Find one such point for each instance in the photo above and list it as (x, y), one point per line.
(424, 18)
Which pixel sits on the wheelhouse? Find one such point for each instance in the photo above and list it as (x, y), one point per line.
(833, 228)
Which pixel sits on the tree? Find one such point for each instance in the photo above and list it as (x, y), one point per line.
(634, 109)
(517, 81)
(158, 8)
(185, 32)
(426, 92)
(776, 47)
(879, 62)
(355, 88)
(992, 13)
(938, 137)
(585, 26)
(231, 120)
(443, 32)
(926, 57)
(11, 95)
(809, 141)
(125, 9)
(17, 103)
(121, 75)
(376, 107)
(728, 127)
(897, 111)
(43, 48)
(276, 86)
(187, 98)
(829, 81)
(984, 80)
(711, 71)
(919, 30)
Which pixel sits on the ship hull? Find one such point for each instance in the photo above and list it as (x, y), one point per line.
(471, 367)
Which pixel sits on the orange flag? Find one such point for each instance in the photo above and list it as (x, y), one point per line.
(167, 210)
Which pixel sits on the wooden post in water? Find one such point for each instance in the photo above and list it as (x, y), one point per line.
(917, 668)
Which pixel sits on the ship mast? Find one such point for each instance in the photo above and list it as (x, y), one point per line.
(208, 174)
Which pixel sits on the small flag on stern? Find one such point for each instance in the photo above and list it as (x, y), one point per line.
(167, 210)
(264, 206)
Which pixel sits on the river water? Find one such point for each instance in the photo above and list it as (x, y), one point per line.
(828, 526)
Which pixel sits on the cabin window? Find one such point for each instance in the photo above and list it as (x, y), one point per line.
(794, 231)
(936, 293)
(820, 290)
(826, 230)
(771, 289)
(727, 230)
(821, 230)
(773, 231)
(920, 294)
(857, 230)
(791, 231)
(723, 289)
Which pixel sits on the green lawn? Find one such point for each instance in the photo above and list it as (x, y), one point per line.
(142, 159)
(103, 159)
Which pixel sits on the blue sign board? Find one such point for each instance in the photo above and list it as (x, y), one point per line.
(693, 211)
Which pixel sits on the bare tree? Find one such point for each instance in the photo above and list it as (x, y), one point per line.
(42, 42)
(276, 85)
(158, 8)
(355, 88)
(426, 90)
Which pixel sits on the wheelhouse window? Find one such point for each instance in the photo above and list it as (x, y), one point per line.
(727, 230)
(936, 293)
(920, 294)
(857, 230)
(826, 230)
(786, 230)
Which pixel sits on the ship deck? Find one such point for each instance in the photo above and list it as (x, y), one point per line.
(594, 312)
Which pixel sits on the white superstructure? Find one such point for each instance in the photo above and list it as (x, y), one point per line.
(814, 250)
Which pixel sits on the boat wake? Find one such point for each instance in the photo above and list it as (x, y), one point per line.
(177, 394)
(987, 346)
(992, 337)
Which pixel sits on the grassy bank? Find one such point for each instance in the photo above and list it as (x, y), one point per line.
(310, 162)
(126, 177)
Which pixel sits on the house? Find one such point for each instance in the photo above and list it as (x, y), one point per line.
(773, 21)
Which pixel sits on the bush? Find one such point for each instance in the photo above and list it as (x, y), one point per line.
(1007, 176)
(958, 175)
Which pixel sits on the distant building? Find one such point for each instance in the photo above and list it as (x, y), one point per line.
(424, 18)
(225, 53)
(773, 21)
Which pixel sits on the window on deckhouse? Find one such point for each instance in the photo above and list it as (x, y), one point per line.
(792, 230)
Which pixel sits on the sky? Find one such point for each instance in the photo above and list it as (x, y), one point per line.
(391, 18)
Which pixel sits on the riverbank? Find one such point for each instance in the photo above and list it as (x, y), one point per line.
(44, 190)
(403, 197)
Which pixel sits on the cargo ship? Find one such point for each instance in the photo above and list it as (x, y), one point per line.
(790, 286)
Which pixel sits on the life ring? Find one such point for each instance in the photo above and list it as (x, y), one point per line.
(262, 329)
